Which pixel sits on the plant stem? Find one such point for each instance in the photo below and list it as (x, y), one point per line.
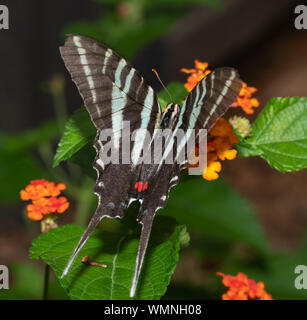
(46, 282)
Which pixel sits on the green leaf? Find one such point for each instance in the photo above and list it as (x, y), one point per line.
(279, 135)
(216, 210)
(84, 158)
(78, 131)
(177, 91)
(116, 250)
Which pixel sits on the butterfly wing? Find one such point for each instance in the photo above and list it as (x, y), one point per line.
(207, 102)
(210, 99)
(113, 92)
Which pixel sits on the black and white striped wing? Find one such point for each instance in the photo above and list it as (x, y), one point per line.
(207, 102)
(210, 99)
(113, 92)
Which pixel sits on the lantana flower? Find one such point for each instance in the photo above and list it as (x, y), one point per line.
(220, 141)
(245, 100)
(45, 202)
(240, 287)
(195, 75)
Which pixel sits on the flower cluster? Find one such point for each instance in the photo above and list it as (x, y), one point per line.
(242, 288)
(195, 75)
(220, 143)
(44, 197)
(245, 100)
(221, 137)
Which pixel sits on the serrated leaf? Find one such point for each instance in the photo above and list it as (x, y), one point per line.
(116, 250)
(279, 135)
(84, 158)
(79, 131)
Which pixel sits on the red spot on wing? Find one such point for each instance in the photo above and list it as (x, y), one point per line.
(138, 186)
(145, 186)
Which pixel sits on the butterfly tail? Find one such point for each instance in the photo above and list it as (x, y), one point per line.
(90, 228)
(145, 234)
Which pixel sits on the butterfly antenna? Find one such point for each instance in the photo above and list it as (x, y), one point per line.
(157, 75)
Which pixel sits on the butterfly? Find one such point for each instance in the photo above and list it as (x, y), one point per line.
(114, 92)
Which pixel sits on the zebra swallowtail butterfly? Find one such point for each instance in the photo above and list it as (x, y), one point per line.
(113, 91)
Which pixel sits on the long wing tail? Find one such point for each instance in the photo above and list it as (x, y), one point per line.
(98, 215)
(145, 234)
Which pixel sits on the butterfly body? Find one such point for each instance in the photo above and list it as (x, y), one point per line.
(114, 94)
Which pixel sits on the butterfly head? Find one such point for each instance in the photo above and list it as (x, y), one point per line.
(169, 116)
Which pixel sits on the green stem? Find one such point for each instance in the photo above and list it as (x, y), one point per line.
(46, 282)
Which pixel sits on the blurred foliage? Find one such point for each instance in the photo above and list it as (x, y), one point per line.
(26, 282)
(17, 163)
(127, 26)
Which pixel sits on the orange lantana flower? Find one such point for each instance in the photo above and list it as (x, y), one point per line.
(221, 139)
(240, 287)
(220, 143)
(38, 209)
(58, 205)
(41, 188)
(195, 75)
(245, 100)
(43, 195)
